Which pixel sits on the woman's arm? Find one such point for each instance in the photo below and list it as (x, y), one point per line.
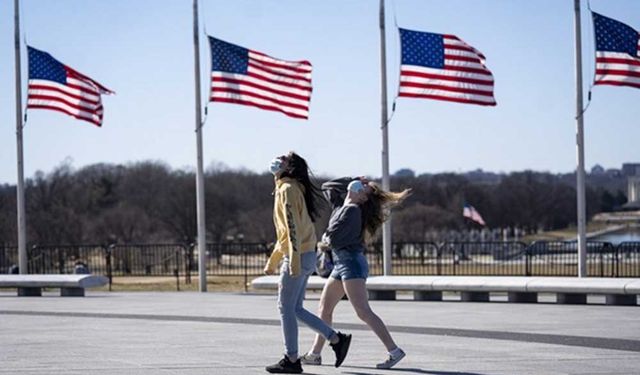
(293, 202)
(335, 190)
(272, 263)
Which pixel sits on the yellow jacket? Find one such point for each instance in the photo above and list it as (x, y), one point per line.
(295, 232)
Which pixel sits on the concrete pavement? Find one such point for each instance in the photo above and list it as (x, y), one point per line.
(226, 333)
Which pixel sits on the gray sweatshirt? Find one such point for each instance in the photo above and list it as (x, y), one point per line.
(344, 231)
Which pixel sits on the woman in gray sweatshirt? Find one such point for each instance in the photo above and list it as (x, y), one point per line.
(359, 210)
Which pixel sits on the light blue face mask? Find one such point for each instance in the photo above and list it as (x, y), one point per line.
(355, 186)
(275, 166)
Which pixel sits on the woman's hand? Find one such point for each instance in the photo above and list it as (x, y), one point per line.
(292, 274)
(269, 271)
(323, 246)
(364, 180)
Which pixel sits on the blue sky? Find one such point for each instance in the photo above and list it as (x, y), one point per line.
(143, 51)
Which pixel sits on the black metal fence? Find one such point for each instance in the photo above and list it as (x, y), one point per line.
(457, 258)
(542, 258)
(408, 258)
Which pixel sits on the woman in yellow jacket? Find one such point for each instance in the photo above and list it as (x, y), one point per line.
(295, 208)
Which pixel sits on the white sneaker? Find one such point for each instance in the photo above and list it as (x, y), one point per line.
(311, 359)
(392, 360)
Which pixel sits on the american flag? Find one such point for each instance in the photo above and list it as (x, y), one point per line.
(55, 86)
(617, 53)
(470, 212)
(443, 67)
(244, 76)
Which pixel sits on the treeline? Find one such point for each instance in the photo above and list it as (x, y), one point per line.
(150, 202)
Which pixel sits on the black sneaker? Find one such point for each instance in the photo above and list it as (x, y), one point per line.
(285, 366)
(341, 348)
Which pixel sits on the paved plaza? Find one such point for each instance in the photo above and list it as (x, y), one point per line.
(226, 333)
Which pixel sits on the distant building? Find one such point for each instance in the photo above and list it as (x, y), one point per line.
(482, 177)
(405, 172)
(612, 172)
(632, 172)
(597, 170)
(633, 189)
(631, 169)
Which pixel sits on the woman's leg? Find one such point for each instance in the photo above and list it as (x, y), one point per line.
(288, 292)
(332, 293)
(357, 293)
(308, 266)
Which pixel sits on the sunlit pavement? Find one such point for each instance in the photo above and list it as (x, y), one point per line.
(224, 333)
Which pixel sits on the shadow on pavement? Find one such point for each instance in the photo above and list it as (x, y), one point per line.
(409, 370)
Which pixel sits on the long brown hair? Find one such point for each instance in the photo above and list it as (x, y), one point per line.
(376, 209)
(299, 171)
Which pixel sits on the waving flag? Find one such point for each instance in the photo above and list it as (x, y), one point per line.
(243, 76)
(55, 86)
(443, 67)
(617, 53)
(470, 212)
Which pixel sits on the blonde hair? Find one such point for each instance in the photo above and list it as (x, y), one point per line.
(377, 208)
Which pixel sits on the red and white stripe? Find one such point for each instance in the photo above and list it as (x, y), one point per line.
(271, 84)
(618, 68)
(464, 79)
(79, 98)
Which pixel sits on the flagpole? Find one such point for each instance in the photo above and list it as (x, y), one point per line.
(386, 227)
(22, 222)
(202, 237)
(580, 174)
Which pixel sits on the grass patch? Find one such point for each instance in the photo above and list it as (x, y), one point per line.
(168, 284)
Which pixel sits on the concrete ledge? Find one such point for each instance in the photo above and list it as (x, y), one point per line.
(590, 285)
(52, 281)
(402, 282)
(70, 285)
(271, 283)
(632, 286)
(477, 288)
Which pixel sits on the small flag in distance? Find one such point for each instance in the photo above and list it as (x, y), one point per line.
(471, 213)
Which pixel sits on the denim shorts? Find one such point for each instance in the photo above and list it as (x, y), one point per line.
(349, 264)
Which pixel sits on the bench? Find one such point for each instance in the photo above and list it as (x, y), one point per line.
(569, 290)
(31, 285)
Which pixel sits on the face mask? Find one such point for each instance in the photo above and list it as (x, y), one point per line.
(355, 186)
(275, 166)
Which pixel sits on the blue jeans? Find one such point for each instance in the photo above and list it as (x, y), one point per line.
(290, 297)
